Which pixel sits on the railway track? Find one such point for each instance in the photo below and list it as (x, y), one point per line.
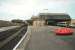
(11, 37)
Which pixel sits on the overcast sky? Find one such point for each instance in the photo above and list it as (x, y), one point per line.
(24, 9)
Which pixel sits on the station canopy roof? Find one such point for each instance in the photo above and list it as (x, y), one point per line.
(59, 16)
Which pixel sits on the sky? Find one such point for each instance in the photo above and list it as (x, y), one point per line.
(24, 9)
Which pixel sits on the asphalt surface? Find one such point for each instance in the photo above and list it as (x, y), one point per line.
(44, 38)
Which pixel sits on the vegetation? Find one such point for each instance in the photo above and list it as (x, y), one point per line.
(19, 22)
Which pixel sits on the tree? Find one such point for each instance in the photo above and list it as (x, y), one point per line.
(17, 21)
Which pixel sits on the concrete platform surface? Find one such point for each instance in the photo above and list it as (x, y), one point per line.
(43, 38)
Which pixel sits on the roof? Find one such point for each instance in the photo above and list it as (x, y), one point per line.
(54, 16)
(53, 13)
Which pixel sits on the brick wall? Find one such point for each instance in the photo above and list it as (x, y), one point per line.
(38, 23)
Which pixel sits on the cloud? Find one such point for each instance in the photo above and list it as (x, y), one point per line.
(18, 9)
(24, 9)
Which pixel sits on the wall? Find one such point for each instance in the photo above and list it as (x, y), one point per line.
(37, 23)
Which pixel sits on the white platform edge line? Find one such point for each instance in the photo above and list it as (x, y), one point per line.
(20, 41)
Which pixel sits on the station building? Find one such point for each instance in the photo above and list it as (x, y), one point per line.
(55, 18)
(51, 19)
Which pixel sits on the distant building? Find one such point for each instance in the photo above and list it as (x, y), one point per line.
(37, 21)
(73, 22)
(54, 18)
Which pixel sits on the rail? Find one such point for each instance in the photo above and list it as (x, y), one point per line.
(8, 28)
(24, 40)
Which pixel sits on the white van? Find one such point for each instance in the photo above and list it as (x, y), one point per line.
(61, 24)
